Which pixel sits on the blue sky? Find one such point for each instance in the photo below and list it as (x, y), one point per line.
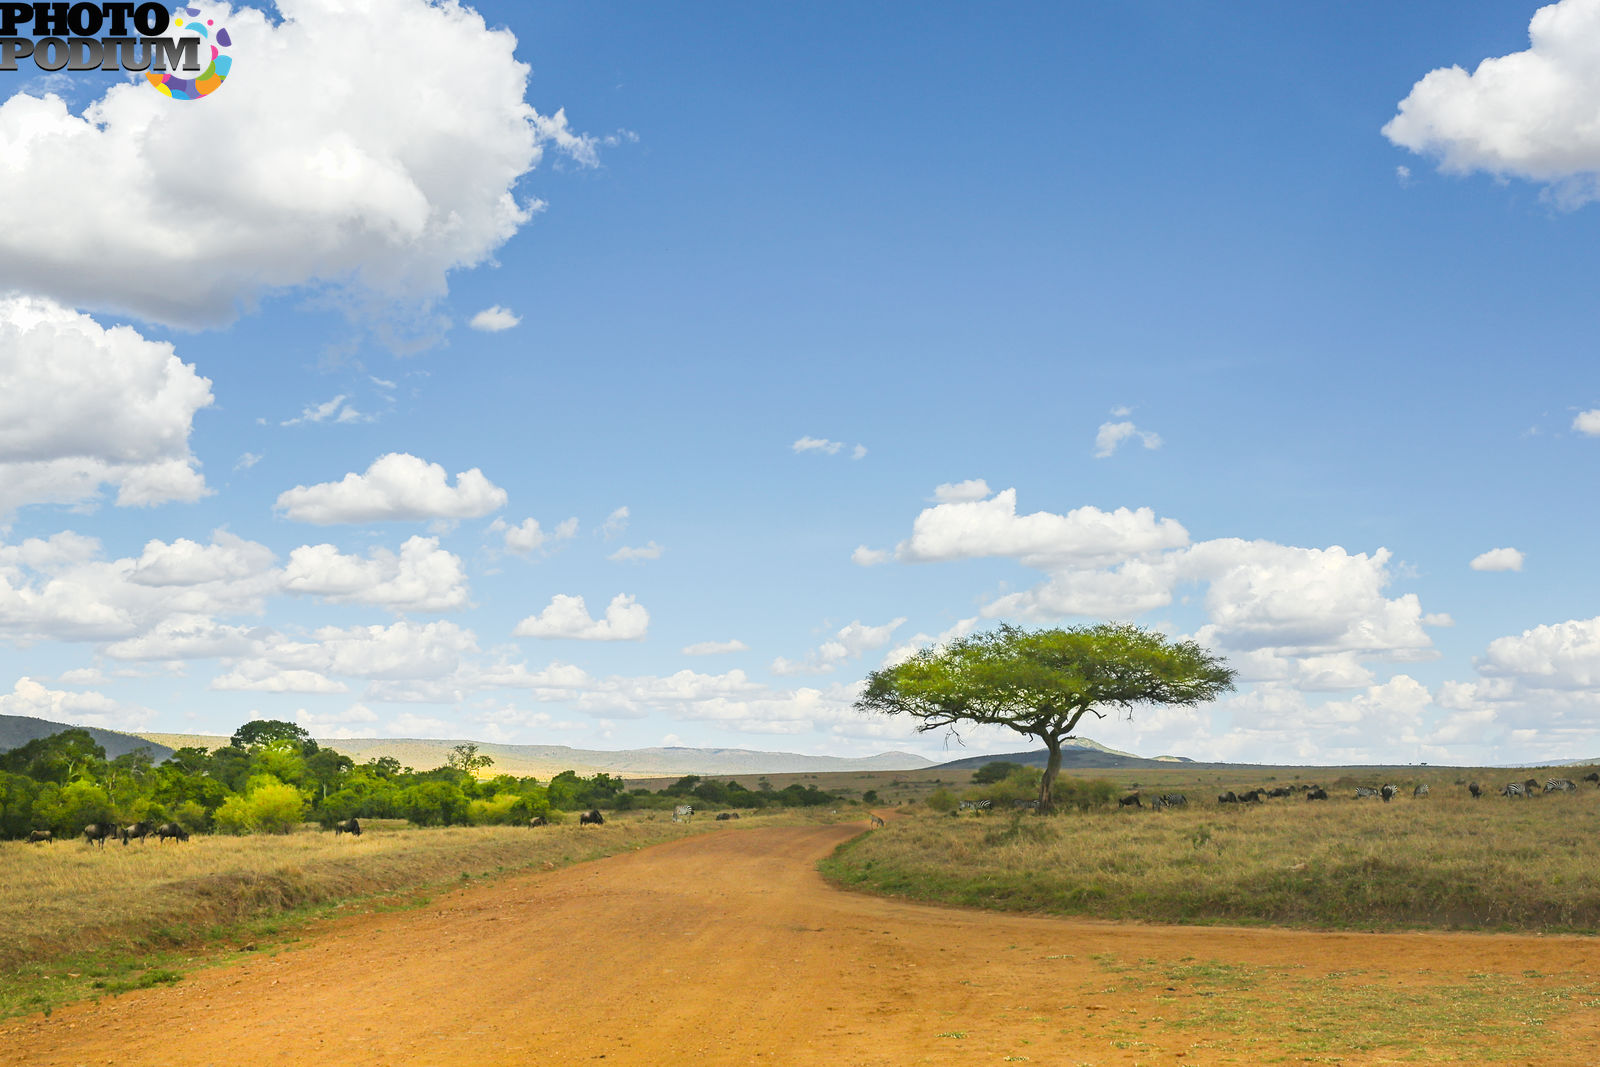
(821, 333)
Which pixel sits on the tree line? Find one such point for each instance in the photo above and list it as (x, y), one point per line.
(272, 776)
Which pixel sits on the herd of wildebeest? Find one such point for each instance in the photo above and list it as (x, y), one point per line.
(1528, 788)
(96, 833)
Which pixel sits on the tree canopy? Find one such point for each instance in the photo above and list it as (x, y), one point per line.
(1043, 682)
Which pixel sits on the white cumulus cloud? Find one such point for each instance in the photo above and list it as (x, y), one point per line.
(1498, 559)
(494, 319)
(568, 617)
(397, 486)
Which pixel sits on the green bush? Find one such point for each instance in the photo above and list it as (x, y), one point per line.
(942, 800)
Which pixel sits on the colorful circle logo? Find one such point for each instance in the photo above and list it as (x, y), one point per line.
(188, 20)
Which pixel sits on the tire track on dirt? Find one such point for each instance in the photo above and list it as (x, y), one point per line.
(724, 948)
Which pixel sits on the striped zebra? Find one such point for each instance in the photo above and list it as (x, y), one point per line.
(1514, 789)
(1421, 790)
(976, 805)
(1561, 785)
(682, 812)
(1364, 791)
(1171, 800)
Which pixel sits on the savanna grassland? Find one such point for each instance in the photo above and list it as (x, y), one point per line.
(1445, 861)
(76, 920)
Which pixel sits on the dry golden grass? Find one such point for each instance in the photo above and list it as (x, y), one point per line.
(60, 900)
(1444, 861)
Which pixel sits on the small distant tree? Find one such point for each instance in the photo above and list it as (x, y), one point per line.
(465, 759)
(998, 771)
(1042, 683)
(259, 732)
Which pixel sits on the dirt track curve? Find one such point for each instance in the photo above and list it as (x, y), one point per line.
(726, 948)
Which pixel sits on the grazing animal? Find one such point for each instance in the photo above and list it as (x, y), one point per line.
(1281, 791)
(1514, 789)
(1317, 793)
(1024, 803)
(1592, 776)
(1421, 790)
(1252, 797)
(347, 826)
(1227, 798)
(1532, 787)
(682, 811)
(1172, 800)
(724, 816)
(877, 820)
(1561, 785)
(141, 830)
(1130, 801)
(538, 820)
(1364, 791)
(172, 830)
(592, 816)
(1475, 789)
(1387, 792)
(975, 805)
(97, 832)
(37, 836)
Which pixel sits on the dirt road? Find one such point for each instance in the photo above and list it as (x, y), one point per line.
(728, 948)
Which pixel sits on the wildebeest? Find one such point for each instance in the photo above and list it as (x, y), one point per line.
(1475, 789)
(538, 820)
(97, 832)
(1130, 801)
(592, 816)
(1592, 776)
(1280, 791)
(1514, 789)
(347, 826)
(1364, 791)
(1532, 786)
(1227, 798)
(1252, 797)
(172, 830)
(141, 830)
(1387, 792)
(1317, 793)
(41, 835)
(1561, 785)
(724, 816)
(1421, 790)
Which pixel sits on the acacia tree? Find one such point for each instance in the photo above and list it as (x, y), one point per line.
(1042, 683)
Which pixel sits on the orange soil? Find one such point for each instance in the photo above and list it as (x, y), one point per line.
(728, 948)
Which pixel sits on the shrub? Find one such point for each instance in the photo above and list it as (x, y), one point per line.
(942, 800)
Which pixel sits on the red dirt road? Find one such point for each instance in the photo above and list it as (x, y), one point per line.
(728, 948)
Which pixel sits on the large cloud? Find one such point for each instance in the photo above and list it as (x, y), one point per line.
(422, 577)
(568, 617)
(371, 143)
(397, 486)
(1533, 114)
(964, 528)
(82, 406)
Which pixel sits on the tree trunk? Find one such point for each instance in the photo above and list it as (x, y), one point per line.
(1047, 781)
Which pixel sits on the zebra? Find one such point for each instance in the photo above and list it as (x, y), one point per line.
(682, 812)
(1387, 792)
(1421, 790)
(976, 805)
(877, 820)
(1514, 789)
(1561, 785)
(1364, 791)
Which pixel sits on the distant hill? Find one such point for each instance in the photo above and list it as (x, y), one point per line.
(1075, 752)
(544, 761)
(18, 730)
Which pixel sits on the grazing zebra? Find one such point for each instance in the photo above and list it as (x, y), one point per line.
(682, 812)
(1514, 789)
(1364, 791)
(1420, 791)
(1475, 789)
(1561, 785)
(976, 805)
(1173, 800)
